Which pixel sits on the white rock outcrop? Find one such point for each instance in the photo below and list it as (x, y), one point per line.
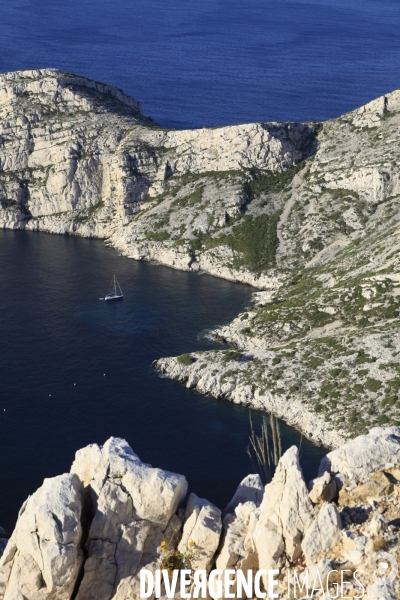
(201, 532)
(88, 534)
(43, 557)
(358, 459)
(237, 549)
(285, 514)
(324, 533)
(132, 504)
(250, 489)
(322, 489)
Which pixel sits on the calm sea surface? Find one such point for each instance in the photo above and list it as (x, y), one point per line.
(213, 62)
(192, 64)
(55, 333)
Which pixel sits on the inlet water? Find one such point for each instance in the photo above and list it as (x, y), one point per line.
(76, 370)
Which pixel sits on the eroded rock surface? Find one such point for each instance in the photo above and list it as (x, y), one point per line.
(89, 533)
(43, 557)
(285, 514)
(358, 459)
(132, 505)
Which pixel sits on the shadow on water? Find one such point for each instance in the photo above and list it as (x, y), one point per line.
(75, 370)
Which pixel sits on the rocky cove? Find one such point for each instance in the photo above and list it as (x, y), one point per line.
(306, 212)
(88, 533)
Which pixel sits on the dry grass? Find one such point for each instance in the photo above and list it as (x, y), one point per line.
(265, 448)
(380, 544)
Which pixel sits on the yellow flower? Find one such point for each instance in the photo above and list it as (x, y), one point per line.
(191, 543)
(162, 549)
(162, 544)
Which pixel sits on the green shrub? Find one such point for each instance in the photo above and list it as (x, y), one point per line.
(315, 361)
(271, 182)
(394, 384)
(363, 322)
(195, 244)
(157, 236)
(335, 372)
(372, 385)
(255, 238)
(363, 357)
(382, 419)
(230, 373)
(190, 200)
(186, 359)
(326, 390)
(391, 401)
(231, 355)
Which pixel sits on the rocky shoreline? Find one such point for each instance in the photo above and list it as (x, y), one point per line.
(211, 375)
(89, 533)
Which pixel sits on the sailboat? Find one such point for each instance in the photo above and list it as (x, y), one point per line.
(115, 292)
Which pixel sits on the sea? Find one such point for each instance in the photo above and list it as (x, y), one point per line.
(75, 370)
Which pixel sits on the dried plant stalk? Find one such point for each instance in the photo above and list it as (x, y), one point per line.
(265, 448)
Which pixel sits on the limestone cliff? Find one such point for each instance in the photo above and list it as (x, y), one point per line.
(88, 534)
(308, 212)
(78, 156)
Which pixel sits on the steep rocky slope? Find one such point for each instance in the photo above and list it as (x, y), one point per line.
(88, 534)
(306, 212)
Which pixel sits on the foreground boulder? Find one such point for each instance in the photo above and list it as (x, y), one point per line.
(322, 489)
(323, 534)
(202, 531)
(250, 489)
(132, 505)
(43, 557)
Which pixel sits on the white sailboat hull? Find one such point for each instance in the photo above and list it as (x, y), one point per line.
(114, 297)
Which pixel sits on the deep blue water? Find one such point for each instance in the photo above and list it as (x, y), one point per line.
(215, 62)
(54, 333)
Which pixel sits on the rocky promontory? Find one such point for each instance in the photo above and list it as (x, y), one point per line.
(87, 534)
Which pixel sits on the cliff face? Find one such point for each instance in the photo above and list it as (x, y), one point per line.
(89, 533)
(307, 212)
(78, 156)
